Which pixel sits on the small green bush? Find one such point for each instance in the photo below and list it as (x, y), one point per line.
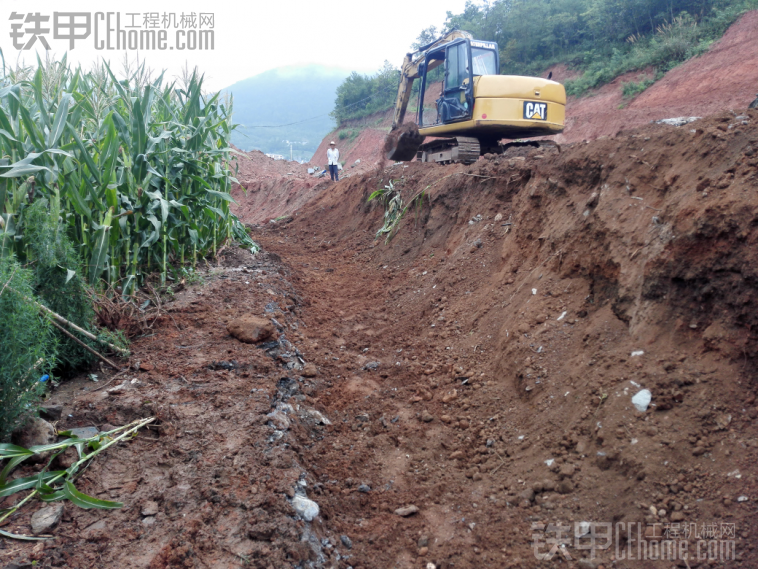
(58, 271)
(632, 89)
(28, 346)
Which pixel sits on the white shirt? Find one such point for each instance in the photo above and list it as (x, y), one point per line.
(333, 155)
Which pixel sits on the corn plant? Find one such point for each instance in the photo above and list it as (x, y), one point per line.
(55, 485)
(141, 169)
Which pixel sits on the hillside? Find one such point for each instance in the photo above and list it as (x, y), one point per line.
(282, 96)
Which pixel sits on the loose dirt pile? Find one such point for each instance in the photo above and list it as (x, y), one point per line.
(447, 397)
(269, 188)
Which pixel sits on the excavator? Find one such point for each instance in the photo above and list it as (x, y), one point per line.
(477, 108)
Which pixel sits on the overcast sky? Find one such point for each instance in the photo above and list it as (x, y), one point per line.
(249, 37)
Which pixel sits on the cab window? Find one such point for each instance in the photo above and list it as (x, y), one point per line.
(456, 66)
(483, 61)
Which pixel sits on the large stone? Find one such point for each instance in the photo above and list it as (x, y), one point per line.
(305, 508)
(45, 519)
(35, 432)
(310, 370)
(251, 329)
(406, 511)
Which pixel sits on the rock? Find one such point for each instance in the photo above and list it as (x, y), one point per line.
(51, 412)
(677, 121)
(309, 370)
(452, 396)
(406, 511)
(365, 488)
(144, 366)
(346, 541)
(315, 416)
(251, 329)
(280, 421)
(423, 551)
(35, 432)
(698, 450)
(566, 470)
(423, 541)
(150, 508)
(565, 486)
(427, 417)
(305, 508)
(642, 399)
(527, 494)
(589, 563)
(45, 519)
(84, 432)
(148, 521)
(548, 486)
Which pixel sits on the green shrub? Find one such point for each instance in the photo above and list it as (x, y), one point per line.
(28, 346)
(349, 134)
(632, 89)
(58, 272)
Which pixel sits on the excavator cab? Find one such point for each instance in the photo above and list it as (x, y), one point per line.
(463, 59)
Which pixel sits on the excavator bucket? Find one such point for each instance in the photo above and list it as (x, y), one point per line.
(402, 143)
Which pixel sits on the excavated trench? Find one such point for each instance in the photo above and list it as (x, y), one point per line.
(455, 397)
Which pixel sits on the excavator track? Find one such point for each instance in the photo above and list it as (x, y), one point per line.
(461, 149)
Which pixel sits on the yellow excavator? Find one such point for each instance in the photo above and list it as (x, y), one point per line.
(476, 109)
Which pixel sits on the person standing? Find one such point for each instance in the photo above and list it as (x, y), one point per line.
(333, 155)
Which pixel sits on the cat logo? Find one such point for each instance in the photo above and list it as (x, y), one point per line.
(535, 111)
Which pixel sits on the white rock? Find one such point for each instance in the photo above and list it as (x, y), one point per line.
(582, 529)
(305, 508)
(677, 121)
(742, 499)
(636, 353)
(534, 291)
(563, 314)
(642, 399)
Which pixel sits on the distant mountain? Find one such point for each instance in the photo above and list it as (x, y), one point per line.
(282, 96)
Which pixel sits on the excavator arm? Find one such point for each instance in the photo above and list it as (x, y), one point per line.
(402, 143)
